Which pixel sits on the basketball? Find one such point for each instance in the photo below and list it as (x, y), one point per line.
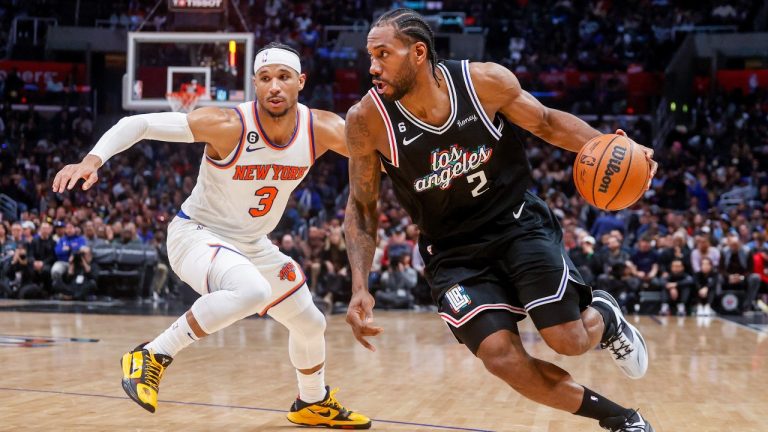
(611, 172)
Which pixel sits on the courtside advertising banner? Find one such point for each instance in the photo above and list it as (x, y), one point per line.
(197, 5)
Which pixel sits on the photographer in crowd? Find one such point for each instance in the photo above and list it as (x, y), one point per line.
(79, 281)
(21, 281)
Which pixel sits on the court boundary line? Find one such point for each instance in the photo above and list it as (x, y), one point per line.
(232, 407)
(742, 325)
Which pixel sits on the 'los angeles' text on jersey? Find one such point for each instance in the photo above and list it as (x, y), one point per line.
(455, 178)
(450, 164)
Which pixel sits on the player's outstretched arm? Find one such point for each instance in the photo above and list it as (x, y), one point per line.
(500, 91)
(329, 133)
(361, 219)
(220, 128)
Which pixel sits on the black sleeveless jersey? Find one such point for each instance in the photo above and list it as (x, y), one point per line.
(461, 177)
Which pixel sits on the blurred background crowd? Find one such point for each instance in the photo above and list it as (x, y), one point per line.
(696, 243)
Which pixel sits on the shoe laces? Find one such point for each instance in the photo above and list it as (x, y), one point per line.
(153, 372)
(619, 345)
(331, 402)
(625, 426)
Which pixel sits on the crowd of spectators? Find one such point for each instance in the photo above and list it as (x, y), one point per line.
(697, 234)
(589, 36)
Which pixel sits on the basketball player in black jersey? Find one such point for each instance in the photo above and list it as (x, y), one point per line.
(446, 135)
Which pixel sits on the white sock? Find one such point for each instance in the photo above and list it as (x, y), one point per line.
(174, 339)
(312, 386)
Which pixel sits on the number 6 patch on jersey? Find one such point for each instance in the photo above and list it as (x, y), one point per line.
(457, 298)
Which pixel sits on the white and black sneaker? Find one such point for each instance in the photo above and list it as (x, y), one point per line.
(634, 423)
(626, 344)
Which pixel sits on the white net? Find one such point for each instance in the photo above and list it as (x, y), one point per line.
(182, 101)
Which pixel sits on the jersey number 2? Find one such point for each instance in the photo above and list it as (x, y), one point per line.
(480, 177)
(267, 194)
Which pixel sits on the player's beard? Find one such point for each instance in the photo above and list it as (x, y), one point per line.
(404, 80)
(280, 114)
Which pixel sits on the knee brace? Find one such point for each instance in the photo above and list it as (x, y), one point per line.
(306, 340)
(237, 290)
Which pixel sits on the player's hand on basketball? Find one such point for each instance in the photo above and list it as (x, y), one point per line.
(648, 156)
(67, 177)
(360, 317)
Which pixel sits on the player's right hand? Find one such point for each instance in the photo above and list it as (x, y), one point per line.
(70, 174)
(360, 317)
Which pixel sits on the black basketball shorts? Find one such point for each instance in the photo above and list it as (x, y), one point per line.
(522, 270)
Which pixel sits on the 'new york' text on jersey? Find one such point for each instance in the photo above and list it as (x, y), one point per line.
(245, 194)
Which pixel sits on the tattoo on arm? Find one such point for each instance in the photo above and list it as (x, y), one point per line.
(361, 220)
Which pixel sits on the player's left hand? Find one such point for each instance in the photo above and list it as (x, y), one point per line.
(87, 169)
(360, 317)
(648, 156)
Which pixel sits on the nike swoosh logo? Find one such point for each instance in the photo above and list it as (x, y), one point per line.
(251, 149)
(407, 141)
(326, 413)
(519, 211)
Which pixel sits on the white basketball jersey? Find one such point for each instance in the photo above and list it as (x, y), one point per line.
(244, 195)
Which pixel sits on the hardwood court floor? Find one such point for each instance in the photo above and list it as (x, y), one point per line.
(705, 375)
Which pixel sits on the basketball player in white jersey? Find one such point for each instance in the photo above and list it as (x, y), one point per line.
(255, 155)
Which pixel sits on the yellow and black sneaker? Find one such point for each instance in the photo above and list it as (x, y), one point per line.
(328, 412)
(142, 372)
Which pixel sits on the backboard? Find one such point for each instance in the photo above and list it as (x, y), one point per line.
(218, 65)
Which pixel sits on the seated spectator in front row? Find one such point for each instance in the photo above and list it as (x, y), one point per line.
(646, 262)
(760, 268)
(288, 246)
(7, 246)
(43, 251)
(678, 286)
(704, 249)
(585, 259)
(397, 283)
(20, 279)
(708, 283)
(68, 244)
(128, 235)
(79, 281)
(736, 268)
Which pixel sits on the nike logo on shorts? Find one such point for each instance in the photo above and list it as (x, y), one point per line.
(519, 211)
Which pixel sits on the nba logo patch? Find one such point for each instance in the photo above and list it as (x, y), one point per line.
(457, 298)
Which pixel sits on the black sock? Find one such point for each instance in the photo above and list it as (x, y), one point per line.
(597, 407)
(609, 319)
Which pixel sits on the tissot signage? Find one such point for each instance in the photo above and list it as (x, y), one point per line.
(196, 5)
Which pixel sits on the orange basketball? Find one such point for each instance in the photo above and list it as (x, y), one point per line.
(611, 172)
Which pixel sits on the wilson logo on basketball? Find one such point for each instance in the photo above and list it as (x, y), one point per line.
(288, 272)
(614, 167)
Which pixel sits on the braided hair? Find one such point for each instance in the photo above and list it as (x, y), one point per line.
(411, 27)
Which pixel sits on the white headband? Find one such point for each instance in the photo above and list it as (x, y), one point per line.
(277, 56)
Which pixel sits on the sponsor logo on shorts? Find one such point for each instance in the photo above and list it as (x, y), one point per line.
(288, 272)
(457, 298)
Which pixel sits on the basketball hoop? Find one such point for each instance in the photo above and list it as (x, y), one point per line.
(182, 101)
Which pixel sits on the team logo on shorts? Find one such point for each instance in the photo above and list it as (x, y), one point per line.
(458, 298)
(288, 272)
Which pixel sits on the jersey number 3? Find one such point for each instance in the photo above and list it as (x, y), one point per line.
(267, 194)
